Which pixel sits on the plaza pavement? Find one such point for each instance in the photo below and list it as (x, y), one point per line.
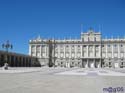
(93, 71)
(66, 71)
(59, 80)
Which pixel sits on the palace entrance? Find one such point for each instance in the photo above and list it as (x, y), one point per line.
(91, 63)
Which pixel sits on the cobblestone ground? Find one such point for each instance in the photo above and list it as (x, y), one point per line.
(59, 80)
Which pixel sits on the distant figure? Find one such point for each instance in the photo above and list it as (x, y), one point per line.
(5, 67)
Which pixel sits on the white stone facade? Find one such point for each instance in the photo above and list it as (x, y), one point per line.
(90, 51)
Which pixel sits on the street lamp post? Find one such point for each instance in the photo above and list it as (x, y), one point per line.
(50, 64)
(7, 46)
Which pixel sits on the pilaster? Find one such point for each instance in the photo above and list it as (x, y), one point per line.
(64, 51)
(112, 51)
(118, 51)
(75, 51)
(81, 50)
(94, 51)
(70, 51)
(106, 51)
(59, 51)
(87, 50)
(99, 51)
(30, 50)
(35, 50)
(40, 51)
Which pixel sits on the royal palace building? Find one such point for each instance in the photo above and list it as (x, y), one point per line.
(90, 51)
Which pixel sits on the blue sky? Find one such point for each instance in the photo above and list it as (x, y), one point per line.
(21, 20)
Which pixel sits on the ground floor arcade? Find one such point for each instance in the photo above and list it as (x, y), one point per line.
(82, 63)
(17, 60)
(86, 63)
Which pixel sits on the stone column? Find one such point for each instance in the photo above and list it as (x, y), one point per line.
(64, 51)
(28, 62)
(30, 50)
(46, 51)
(35, 50)
(21, 61)
(94, 51)
(94, 63)
(118, 51)
(17, 61)
(106, 51)
(75, 51)
(31, 62)
(59, 51)
(124, 50)
(25, 61)
(70, 51)
(87, 63)
(9, 60)
(81, 51)
(40, 51)
(87, 50)
(112, 51)
(14, 59)
(99, 50)
(100, 63)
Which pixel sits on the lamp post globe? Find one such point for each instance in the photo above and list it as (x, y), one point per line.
(7, 45)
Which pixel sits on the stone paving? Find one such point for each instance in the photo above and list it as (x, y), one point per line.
(100, 72)
(43, 70)
(66, 71)
(50, 80)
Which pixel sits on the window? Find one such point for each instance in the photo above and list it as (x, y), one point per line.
(115, 45)
(33, 46)
(82, 39)
(121, 63)
(67, 46)
(38, 49)
(43, 45)
(108, 45)
(102, 45)
(109, 63)
(94, 38)
(121, 45)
